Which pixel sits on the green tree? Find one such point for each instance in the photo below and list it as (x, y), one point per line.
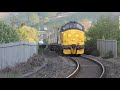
(34, 19)
(46, 20)
(104, 28)
(28, 34)
(56, 26)
(7, 33)
(13, 20)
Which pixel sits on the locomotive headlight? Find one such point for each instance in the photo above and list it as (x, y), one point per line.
(69, 35)
(77, 35)
(64, 34)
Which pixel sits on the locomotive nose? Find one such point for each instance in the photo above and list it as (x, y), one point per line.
(73, 39)
(73, 46)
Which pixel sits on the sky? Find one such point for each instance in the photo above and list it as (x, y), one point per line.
(3, 14)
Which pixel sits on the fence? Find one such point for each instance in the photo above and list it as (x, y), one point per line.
(104, 46)
(13, 53)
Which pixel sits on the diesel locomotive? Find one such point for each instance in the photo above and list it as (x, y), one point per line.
(69, 39)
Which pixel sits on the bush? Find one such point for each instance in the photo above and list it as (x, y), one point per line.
(95, 53)
(108, 55)
(28, 34)
(7, 33)
(104, 28)
(90, 46)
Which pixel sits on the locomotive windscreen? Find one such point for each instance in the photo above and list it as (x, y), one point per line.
(72, 25)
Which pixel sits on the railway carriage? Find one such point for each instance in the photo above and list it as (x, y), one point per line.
(69, 39)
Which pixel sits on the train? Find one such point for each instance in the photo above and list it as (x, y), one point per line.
(68, 39)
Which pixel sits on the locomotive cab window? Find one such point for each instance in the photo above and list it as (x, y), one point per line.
(72, 25)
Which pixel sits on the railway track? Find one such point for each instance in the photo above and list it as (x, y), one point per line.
(87, 67)
(76, 71)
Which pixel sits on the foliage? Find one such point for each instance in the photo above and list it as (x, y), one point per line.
(34, 18)
(95, 53)
(108, 55)
(41, 48)
(58, 25)
(90, 46)
(29, 34)
(104, 28)
(45, 41)
(46, 20)
(7, 33)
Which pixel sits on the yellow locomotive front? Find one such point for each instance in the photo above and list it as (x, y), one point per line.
(72, 38)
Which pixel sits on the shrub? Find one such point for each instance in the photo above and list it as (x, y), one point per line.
(28, 34)
(95, 53)
(108, 55)
(7, 33)
(90, 46)
(104, 28)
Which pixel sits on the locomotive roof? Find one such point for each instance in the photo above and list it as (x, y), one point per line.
(72, 25)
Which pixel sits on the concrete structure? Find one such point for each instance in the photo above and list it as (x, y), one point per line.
(13, 53)
(104, 46)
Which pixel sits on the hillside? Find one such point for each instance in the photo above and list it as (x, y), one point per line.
(54, 18)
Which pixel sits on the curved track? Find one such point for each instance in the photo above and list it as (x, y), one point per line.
(76, 71)
(87, 68)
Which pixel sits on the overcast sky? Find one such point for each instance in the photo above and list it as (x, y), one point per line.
(3, 14)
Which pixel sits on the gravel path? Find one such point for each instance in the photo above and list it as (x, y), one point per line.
(23, 68)
(46, 65)
(112, 67)
(56, 67)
